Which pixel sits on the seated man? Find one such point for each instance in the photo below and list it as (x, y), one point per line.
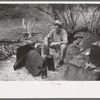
(56, 39)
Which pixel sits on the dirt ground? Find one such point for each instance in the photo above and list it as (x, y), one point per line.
(7, 72)
(12, 30)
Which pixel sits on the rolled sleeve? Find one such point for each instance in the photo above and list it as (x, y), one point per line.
(49, 38)
(50, 35)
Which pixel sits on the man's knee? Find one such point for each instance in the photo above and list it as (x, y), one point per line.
(63, 46)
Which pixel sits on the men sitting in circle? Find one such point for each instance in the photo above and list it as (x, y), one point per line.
(56, 39)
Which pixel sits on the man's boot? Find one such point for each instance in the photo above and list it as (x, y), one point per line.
(60, 64)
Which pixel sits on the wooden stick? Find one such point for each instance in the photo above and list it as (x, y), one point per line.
(29, 29)
(34, 26)
(23, 23)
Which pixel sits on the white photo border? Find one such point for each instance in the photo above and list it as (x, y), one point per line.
(49, 89)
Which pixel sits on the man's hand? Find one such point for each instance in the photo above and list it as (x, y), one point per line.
(54, 44)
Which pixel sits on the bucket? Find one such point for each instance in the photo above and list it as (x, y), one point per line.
(50, 63)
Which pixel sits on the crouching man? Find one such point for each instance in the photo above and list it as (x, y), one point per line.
(56, 39)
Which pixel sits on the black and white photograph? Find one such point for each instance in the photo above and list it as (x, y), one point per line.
(50, 42)
(49, 49)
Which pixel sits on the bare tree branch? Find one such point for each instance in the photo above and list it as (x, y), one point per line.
(93, 16)
(84, 18)
(44, 11)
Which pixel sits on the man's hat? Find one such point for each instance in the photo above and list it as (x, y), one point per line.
(58, 22)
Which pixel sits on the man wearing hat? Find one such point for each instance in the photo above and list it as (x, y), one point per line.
(56, 39)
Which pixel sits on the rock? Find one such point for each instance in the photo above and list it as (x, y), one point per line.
(34, 62)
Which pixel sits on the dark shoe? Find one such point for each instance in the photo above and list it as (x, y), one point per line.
(61, 62)
(44, 74)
